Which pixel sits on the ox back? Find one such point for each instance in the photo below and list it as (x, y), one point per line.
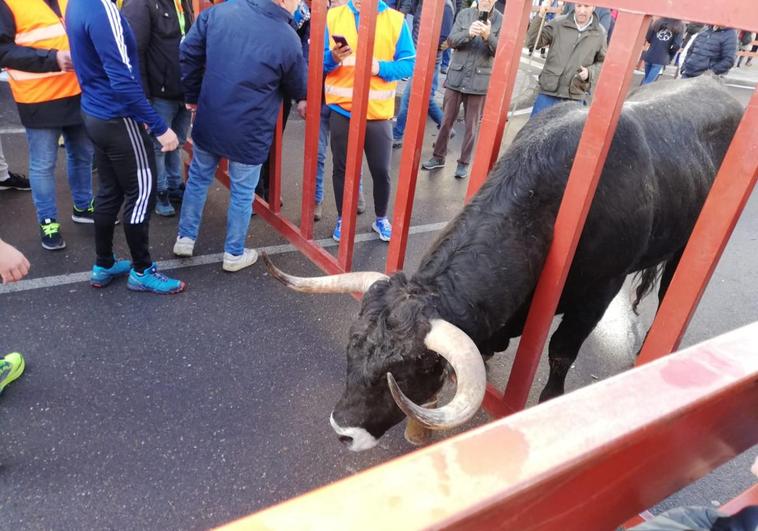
(669, 144)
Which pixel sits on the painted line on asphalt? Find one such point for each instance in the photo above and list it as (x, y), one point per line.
(167, 265)
(12, 130)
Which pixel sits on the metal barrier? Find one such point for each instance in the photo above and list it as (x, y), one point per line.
(588, 460)
(731, 189)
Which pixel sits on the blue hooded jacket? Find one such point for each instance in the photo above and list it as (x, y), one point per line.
(238, 61)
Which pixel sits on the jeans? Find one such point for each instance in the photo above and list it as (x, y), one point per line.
(543, 102)
(446, 56)
(43, 153)
(651, 73)
(169, 165)
(243, 179)
(435, 113)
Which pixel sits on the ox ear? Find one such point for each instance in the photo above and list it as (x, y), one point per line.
(358, 282)
(459, 350)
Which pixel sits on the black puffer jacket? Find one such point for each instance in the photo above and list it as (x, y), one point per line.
(155, 24)
(712, 49)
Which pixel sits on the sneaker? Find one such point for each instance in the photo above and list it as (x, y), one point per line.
(382, 227)
(102, 276)
(397, 143)
(175, 195)
(84, 215)
(11, 367)
(15, 181)
(50, 234)
(235, 263)
(163, 206)
(337, 230)
(433, 163)
(154, 282)
(361, 208)
(318, 211)
(184, 246)
(461, 171)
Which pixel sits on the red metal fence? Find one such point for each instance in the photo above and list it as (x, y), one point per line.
(732, 187)
(588, 460)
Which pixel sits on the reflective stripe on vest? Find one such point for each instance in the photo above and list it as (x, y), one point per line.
(338, 85)
(38, 26)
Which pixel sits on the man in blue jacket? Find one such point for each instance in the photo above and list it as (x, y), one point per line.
(237, 62)
(118, 120)
(714, 49)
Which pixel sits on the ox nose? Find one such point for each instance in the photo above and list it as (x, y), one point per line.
(347, 441)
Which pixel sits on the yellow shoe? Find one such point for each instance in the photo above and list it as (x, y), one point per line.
(11, 367)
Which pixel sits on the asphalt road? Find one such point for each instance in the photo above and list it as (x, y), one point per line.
(183, 412)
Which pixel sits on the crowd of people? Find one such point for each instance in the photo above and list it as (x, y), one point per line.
(120, 83)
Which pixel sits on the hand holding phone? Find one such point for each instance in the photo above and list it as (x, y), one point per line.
(340, 41)
(341, 50)
(483, 16)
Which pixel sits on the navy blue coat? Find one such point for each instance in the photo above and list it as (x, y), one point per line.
(665, 37)
(238, 61)
(712, 50)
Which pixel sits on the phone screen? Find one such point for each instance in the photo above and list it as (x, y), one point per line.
(483, 16)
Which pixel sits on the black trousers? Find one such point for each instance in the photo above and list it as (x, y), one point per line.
(126, 177)
(378, 150)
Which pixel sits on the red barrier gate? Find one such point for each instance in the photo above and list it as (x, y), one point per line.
(732, 187)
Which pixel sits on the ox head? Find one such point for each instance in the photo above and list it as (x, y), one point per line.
(396, 357)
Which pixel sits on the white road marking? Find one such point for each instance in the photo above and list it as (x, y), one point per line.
(167, 265)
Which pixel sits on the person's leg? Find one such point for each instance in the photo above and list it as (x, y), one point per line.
(242, 179)
(450, 105)
(338, 129)
(201, 172)
(435, 113)
(543, 102)
(4, 175)
(473, 105)
(166, 109)
(180, 124)
(10, 180)
(378, 149)
(398, 130)
(652, 71)
(323, 143)
(43, 152)
(446, 55)
(79, 153)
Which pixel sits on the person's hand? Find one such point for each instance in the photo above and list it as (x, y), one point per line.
(64, 61)
(168, 140)
(340, 53)
(486, 30)
(475, 29)
(301, 108)
(13, 265)
(583, 73)
(375, 67)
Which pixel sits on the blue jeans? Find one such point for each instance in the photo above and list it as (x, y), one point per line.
(543, 102)
(168, 165)
(323, 143)
(446, 56)
(651, 73)
(243, 180)
(43, 153)
(435, 113)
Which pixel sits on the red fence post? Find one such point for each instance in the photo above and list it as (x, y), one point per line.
(721, 211)
(593, 148)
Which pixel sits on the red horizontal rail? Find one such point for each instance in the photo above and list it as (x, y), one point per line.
(588, 460)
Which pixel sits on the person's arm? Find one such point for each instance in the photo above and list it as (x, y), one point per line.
(404, 60)
(137, 13)
(107, 33)
(492, 38)
(447, 23)
(192, 58)
(676, 41)
(295, 78)
(13, 265)
(650, 31)
(22, 58)
(594, 68)
(728, 54)
(546, 37)
(329, 63)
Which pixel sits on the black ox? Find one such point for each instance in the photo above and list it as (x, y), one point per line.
(473, 288)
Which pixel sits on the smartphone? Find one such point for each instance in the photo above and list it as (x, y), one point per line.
(483, 16)
(340, 41)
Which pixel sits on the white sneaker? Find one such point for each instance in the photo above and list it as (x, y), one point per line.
(235, 263)
(184, 246)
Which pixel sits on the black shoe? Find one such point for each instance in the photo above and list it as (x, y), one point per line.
(84, 215)
(461, 171)
(397, 143)
(15, 181)
(175, 195)
(50, 234)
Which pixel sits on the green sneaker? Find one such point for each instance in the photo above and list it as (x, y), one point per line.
(11, 367)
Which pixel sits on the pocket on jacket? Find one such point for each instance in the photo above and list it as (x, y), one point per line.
(549, 81)
(482, 78)
(454, 75)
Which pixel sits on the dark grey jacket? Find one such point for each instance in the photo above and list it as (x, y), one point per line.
(471, 66)
(569, 50)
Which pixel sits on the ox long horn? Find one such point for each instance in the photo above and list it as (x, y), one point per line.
(459, 350)
(358, 282)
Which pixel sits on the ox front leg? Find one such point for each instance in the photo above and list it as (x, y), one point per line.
(578, 322)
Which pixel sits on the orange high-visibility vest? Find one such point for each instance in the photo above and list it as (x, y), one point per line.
(37, 26)
(338, 85)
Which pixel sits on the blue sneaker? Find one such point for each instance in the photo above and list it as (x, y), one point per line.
(154, 282)
(102, 276)
(337, 230)
(382, 227)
